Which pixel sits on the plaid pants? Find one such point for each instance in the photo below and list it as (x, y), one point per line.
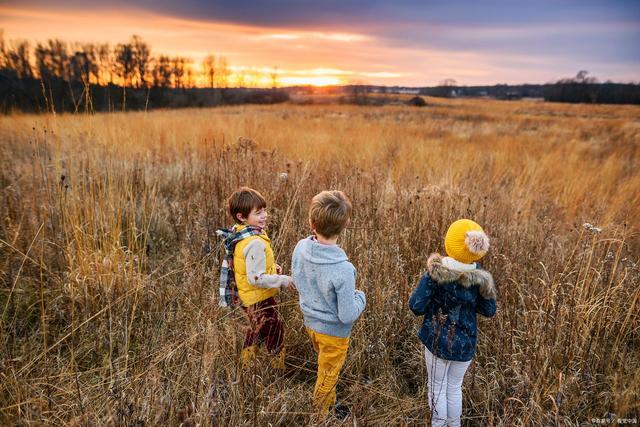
(265, 326)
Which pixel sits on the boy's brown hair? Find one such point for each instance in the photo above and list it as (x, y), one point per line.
(243, 201)
(329, 212)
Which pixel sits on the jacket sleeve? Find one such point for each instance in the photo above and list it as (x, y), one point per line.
(256, 261)
(421, 296)
(351, 302)
(486, 307)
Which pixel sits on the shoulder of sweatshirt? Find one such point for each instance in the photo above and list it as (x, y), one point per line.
(299, 245)
(297, 249)
(344, 270)
(255, 244)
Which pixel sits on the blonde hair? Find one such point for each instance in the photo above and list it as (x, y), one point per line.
(329, 212)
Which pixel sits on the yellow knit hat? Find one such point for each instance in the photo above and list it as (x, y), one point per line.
(466, 241)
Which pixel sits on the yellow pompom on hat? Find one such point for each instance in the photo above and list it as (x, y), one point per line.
(466, 241)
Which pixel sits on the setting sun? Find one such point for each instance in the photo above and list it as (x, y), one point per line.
(312, 80)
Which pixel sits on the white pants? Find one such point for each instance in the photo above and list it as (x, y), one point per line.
(445, 389)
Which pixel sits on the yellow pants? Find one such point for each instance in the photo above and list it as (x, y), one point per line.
(331, 354)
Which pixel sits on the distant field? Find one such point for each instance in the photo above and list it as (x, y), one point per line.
(109, 259)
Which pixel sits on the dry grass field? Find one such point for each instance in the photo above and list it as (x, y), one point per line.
(109, 259)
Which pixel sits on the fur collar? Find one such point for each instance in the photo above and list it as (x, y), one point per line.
(481, 278)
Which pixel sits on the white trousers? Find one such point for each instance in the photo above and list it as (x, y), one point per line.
(445, 389)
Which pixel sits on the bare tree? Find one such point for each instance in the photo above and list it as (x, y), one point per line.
(125, 63)
(155, 72)
(189, 79)
(91, 52)
(52, 60)
(105, 61)
(209, 68)
(179, 68)
(162, 71)
(223, 72)
(581, 77)
(141, 58)
(59, 59)
(17, 57)
(43, 61)
(447, 88)
(3, 50)
(274, 77)
(253, 77)
(240, 78)
(79, 67)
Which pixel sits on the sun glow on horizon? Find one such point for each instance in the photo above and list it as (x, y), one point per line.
(312, 81)
(274, 77)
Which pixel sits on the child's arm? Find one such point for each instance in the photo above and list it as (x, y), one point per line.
(351, 302)
(487, 295)
(256, 261)
(420, 297)
(485, 306)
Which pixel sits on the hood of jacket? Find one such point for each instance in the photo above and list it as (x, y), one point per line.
(318, 253)
(439, 273)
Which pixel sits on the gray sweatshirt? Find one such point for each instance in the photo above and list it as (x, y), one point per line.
(326, 281)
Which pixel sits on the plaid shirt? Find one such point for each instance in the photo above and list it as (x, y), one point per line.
(228, 288)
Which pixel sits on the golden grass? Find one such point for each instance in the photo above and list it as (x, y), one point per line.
(109, 258)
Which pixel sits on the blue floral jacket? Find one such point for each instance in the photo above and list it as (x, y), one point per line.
(449, 300)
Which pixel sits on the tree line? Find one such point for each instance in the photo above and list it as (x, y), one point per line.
(586, 89)
(127, 64)
(581, 88)
(59, 76)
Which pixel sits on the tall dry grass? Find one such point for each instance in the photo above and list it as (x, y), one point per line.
(109, 259)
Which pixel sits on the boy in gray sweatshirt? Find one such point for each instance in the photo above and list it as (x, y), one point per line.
(329, 300)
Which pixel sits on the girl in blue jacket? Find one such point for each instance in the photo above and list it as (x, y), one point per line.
(449, 295)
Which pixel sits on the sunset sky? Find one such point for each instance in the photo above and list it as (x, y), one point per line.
(402, 42)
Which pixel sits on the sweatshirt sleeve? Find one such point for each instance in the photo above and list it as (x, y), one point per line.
(256, 261)
(351, 302)
(421, 296)
(295, 261)
(486, 306)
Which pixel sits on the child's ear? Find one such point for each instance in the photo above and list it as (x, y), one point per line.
(240, 218)
(311, 226)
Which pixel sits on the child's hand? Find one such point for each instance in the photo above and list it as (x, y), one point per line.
(278, 269)
(289, 285)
